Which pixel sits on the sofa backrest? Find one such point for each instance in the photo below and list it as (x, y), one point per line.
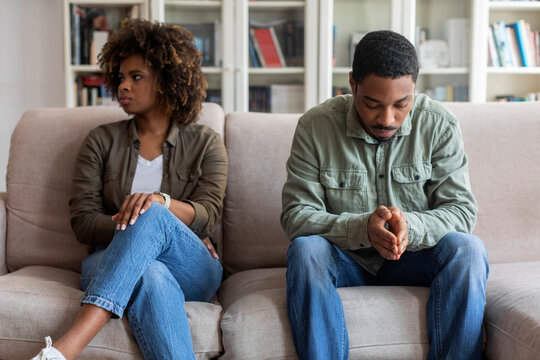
(258, 146)
(501, 140)
(44, 146)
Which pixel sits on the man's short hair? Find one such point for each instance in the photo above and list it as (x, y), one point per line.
(386, 54)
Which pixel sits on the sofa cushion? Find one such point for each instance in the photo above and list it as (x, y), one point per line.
(500, 139)
(383, 322)
(512, 316)
(258, 146)
(44, 300)
(44, 146)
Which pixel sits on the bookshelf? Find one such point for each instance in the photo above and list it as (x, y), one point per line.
(241, 81)
(512, 80)
(348, 17)
(296, 81)
(322, 66)
(484, 83)
(211, 23)
(80, 52)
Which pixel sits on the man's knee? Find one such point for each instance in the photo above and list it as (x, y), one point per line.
(465, 247)
(308, 248)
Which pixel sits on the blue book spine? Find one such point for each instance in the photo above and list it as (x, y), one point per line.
(520, 37)
(253, 54)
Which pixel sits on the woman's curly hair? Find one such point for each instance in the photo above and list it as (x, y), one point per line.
(169, 50)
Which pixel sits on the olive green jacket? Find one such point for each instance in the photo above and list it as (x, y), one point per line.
(338, 175)
(194, 171)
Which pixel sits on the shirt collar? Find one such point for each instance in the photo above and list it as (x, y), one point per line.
(355, 128)
(172, 137)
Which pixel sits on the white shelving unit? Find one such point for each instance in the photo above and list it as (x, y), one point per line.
(320, 71)
(134, 8)
(306, 11)
(489, 82)
(403, 16)
(235, 75)
(221, 12)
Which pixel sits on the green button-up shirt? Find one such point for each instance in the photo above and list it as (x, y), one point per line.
(338, 175)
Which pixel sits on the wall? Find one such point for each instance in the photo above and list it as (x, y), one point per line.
(31, 64)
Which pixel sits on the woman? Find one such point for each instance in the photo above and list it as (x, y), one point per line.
(145, 192)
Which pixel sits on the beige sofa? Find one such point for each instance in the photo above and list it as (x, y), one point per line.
(40, 293)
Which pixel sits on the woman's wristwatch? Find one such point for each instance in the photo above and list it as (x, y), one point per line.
(167, 198)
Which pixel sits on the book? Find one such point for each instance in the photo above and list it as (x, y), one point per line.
(287, 98)
(456, 34)
(259, 98)
(252, 53)
(76, 15)
(493, 58)
(204, 39)
(355, 39)
(513, 46)
(499, 34)
(99, 39)
(520, 31)
(291, 37)
(267, 47)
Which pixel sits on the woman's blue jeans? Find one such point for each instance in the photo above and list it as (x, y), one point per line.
(455, 270)
(150, 270)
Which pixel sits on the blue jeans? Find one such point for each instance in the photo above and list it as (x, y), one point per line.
(150, 270)
(455, 270)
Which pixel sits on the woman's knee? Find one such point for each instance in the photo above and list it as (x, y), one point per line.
(156, 280)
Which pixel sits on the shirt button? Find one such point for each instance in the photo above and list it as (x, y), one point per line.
(381, 176)
(416, 177)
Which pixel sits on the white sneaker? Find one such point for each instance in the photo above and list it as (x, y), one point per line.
(49, 352)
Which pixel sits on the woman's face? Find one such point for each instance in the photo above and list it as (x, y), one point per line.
(137, 92)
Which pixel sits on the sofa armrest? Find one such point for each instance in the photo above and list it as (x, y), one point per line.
(3, 231)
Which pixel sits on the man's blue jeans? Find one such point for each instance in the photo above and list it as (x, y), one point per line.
(150, 270)
(455, 270)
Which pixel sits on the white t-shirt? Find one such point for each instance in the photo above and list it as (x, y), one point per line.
(148, 175)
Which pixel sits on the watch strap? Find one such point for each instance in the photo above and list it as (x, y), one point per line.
(166, 197)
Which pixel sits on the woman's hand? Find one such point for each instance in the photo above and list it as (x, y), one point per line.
(210, 247)
(133, 206)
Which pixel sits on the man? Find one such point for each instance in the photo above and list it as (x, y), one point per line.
(378, 194)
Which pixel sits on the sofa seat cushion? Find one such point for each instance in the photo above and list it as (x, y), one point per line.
(512, 315)
(383, 322)
(37, 301)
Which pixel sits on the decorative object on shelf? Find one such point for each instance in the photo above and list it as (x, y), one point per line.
(433, 54)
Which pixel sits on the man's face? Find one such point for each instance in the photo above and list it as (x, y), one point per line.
(382, 103)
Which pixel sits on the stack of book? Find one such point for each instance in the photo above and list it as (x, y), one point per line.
(514, 44)
(90, 91)
(277, 45)
(208, 41)
(89, 32)
(449, 93)
(277, 98)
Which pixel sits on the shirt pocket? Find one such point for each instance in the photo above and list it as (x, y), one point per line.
(409, 185)
(187, 182)
(345, 190)
(112, 189)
